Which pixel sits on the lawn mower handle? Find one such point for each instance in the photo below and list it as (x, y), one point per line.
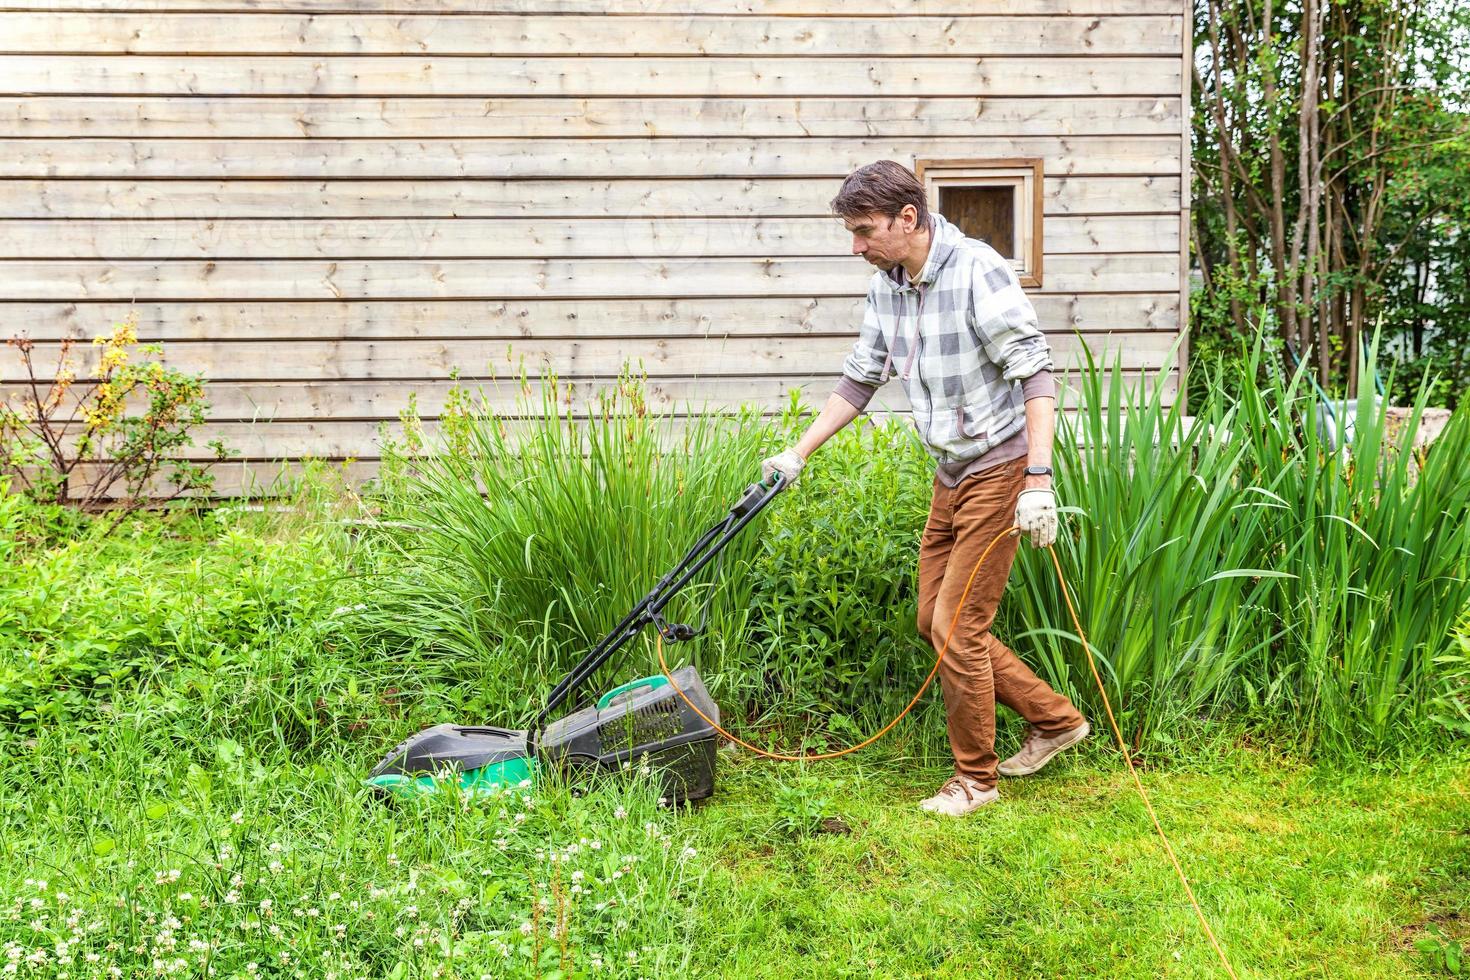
(710, 544)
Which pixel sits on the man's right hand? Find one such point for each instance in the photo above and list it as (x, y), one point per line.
(788, 464)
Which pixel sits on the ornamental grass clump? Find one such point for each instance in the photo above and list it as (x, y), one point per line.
(519, 549)
(1241, 562)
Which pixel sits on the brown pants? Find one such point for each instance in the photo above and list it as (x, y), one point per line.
(978, 670)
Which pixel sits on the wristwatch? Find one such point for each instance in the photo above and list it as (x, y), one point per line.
(1038, 471)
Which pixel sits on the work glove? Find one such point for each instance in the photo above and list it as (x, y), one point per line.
(1036, 515)
(788, 464)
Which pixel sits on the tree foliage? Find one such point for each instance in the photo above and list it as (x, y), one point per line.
(1331, 152)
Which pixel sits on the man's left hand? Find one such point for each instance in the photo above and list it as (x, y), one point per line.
(1036, 515)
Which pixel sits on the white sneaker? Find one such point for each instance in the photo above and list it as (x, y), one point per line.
(1037, 750)
(959, 796)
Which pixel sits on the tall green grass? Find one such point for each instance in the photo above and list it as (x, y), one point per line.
(522, 539)
(1228, 562)
(1241, 563)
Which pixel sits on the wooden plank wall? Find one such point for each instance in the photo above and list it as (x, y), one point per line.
(327, 204)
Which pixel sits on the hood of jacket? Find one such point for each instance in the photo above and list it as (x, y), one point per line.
(943, 237)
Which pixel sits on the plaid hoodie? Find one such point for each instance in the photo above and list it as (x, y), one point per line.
(963, 336)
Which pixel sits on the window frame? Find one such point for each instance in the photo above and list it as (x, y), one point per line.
(1024, 174)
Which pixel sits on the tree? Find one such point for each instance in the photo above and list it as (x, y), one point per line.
(1310, 118)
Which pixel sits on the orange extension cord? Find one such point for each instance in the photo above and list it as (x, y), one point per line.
(1097, 677)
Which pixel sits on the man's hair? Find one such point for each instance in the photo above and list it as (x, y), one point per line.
(883, 187)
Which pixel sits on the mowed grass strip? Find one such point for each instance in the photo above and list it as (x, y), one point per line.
(1302, 871)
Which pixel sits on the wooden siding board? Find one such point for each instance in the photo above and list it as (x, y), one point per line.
(543, 319)
(680, 238)
(23, 279)
(567, 119)
(691, 35)
(616, 8)
(412, 76)
(774, 197)
(369, 401)
(727, 157)
(594, 357)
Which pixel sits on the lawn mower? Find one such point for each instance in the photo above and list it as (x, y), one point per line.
(641, 722)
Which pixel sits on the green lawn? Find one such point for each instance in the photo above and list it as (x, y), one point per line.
(1303, 872)
(187, 802)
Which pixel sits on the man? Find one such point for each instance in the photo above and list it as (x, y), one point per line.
(948, 313)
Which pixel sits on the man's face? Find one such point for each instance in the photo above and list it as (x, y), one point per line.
(881, 240)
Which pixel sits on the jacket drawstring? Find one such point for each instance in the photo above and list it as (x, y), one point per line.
(914, 346)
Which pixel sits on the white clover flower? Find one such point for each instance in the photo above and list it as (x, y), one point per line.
(525, 928)
(237, 817)
(276, 847)
(275, 867)
(393, 860)
(265, 904)
(690, 852)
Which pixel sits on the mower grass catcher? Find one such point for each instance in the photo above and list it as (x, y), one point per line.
(642, 721)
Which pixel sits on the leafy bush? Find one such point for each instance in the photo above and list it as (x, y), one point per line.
(58, 460)
(85, 621)
(834, 584)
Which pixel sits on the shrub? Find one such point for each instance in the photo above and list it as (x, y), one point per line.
(64, 460)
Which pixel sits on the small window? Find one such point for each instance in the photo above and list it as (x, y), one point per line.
(996, 201)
